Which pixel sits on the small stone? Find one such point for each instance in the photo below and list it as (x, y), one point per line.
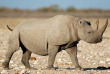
(73, 70)
(16, 68)
(109, 63)
(38, 72)
(108, 71)
(23, 71)
(84, 57)
(2, 60)
(59, 61)
(22, 67)
(14, 65)
(11, 61)
(78, 55)
(108, 59)
(102, 61)
(36, 62)
(94, 63)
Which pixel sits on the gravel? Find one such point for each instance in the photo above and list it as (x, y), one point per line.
(91, 57)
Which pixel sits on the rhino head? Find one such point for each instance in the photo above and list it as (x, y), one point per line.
(88, 34)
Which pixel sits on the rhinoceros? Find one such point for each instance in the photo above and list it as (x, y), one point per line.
(50, 36)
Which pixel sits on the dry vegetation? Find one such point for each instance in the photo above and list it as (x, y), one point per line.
(90, 56)
(52, 11)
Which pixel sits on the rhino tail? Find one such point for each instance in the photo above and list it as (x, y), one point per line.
(9, 28)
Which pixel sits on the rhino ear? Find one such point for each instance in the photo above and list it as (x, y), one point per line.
(97, 24)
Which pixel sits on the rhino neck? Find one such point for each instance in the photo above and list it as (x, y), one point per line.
(73, 32)
(75, 29)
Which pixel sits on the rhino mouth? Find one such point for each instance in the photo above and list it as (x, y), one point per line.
(93, 41)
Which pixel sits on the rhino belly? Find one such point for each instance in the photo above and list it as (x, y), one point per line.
(35, 42)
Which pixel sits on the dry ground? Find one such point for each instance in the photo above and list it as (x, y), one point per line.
(90, 56)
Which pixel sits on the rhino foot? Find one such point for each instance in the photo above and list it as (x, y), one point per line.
(50, 68)
(6, 68)
(30, 68)
(5, 65)
(79, 68)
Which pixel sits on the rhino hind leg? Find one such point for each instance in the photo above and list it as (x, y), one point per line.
(26, 56)
(25, 59)
(9, 54)
(73, 55)
(13, 47)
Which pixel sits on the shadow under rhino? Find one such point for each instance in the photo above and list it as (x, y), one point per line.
(85, 69)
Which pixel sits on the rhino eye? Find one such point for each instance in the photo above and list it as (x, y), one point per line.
(89, 32)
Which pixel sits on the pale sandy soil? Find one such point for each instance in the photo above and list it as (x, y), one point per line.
(90, 56)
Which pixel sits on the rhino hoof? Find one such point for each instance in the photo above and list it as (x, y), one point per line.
(79, 68)
(50, 68)
(5, 66)
(30, 68)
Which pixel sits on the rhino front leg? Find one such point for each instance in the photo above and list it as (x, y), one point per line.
(73, 55)
(52, 51)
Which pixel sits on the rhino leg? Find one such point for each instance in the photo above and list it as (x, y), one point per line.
(13, 47)
(73, 55)
(26, 56)
(8, 56)
(52, 51)
(25, 59)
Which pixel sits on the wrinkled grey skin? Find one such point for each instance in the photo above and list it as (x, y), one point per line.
(49, 36)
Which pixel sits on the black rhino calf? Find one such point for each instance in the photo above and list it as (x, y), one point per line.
(49, 36)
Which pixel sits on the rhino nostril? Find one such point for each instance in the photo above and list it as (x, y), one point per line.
(100, 40)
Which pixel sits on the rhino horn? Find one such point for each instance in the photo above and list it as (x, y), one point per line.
(97, 23)
(104, 27)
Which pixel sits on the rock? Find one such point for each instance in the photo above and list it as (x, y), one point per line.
(14, 65)
(32, 58)
(102, 61)
(59, 61)
(22, 67)
(23, 71)
(108, 62)
(108, 59)
(16, 68)
(94, 63)
(11, 61)
(36, 62)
